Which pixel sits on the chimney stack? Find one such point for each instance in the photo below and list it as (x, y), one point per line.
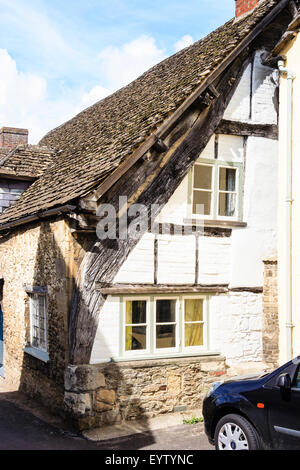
(244, 6)
(10, 137)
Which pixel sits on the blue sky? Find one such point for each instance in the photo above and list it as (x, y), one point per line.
(58, 57)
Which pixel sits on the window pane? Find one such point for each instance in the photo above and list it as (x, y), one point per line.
(136, 312)
(136, 338)
(38, 321)
(227, 204)
(203, 177)
(193, 310)
(193, 334)
(202, 202)
(166, 311)
(165, 336)
(227, 179)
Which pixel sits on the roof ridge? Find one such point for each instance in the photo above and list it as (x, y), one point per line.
(103, 136)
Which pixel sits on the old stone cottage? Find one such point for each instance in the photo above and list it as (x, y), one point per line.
(126, 327)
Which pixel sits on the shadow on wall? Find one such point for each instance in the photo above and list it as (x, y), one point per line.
(85, 395)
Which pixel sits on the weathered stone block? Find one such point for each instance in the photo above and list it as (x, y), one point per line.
(106, 396)
(83, 378)
(78, 404)
(174, 385)
(211, 366)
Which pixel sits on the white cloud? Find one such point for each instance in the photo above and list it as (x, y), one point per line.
(121, 65)
(185, 41)
(24, 99)
(97, 93)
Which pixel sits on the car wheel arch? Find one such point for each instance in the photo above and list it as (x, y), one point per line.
(228, 410)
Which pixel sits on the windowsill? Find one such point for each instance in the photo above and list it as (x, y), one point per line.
(154, 360)
(216, 223)
(37, 353)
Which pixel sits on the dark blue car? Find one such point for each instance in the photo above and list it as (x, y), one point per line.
(257, 412)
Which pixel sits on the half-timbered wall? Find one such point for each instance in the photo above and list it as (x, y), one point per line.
(236, 260)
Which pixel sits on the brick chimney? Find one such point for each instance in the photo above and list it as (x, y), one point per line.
(244, 6)
(10, 137)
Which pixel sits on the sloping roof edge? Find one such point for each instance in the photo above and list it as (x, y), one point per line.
(96, 190)
(159, 134)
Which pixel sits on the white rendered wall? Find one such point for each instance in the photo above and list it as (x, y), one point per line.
(236, 326)
(255, 98)
(240, 104)
(235, 318)
(139, 266)
(176, 259)
(251, 245)
(106, 343)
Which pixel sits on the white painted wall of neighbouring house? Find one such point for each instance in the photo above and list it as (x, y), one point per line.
(235, 319)
(292, 53)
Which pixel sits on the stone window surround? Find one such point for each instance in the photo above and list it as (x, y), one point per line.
(38, 353)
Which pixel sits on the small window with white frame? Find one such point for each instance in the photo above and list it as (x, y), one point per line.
(217, 179)
(38, 321)
(164, 325)
(136, 332)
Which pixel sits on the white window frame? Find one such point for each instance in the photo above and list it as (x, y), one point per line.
(217, 165)
(33, 304)
(212, 190)
(179, 350)
(147, 324)
(236, 192)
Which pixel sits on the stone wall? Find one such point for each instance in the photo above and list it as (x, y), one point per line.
(110, 393)
(270, 314)
(43, 255)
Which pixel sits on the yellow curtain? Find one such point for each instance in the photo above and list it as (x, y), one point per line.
(129, 338)
(193, 331)
(128, 341)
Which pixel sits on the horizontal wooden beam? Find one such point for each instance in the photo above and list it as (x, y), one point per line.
(125, 289)
(269, 131)
(253, 290)
(215, 223)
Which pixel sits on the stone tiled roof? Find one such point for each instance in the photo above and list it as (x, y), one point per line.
(103, 136)
(4, 151)
(28, 161)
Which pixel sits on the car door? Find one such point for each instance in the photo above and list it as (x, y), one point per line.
(284, 412)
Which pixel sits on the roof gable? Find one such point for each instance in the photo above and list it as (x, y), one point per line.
(95, 142)
(28, 161)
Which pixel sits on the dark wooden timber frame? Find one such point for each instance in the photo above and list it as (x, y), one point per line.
(269, 131)
(122, 289)
(104, 260)
(152, 181)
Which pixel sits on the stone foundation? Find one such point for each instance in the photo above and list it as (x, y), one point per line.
(270, 314)
(96, 395)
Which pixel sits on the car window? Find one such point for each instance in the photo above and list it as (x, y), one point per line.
(296, 382)
(291, 369)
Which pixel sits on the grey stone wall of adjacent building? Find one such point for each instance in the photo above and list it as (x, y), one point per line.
(10, 191)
